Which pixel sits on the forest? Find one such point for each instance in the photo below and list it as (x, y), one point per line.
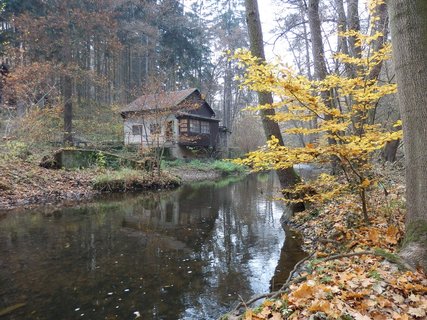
(104, 100)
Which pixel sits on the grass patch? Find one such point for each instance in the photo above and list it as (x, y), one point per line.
(223, 166)
(129, 179)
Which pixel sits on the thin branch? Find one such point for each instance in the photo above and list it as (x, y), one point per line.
(275, 294)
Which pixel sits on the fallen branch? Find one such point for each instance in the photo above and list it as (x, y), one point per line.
(346, 255)
(273, 294)
(277, 293)
(291, 275)
(11, 309)
(324, 240)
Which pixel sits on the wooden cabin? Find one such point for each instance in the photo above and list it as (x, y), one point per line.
(180, 121)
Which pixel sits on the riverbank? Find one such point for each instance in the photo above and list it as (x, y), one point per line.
(354, 271)
(25, 184)
(196, 170)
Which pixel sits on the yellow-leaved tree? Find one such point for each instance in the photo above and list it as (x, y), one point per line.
(346, 132)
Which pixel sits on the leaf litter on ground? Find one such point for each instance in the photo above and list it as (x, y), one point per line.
(362, 286)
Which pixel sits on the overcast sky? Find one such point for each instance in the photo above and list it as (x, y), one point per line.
(268, 10)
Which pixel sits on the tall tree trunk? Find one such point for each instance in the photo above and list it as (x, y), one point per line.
(288, 177)
(67, 93)
(228, 78)
(381, 25)
(342, 27)
(390, 150)
(408, 26)
(303, 11)
(353, 23)
(320, 70)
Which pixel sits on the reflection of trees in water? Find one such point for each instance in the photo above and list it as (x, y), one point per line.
(245, 224)
(182, 215)
(290, 255)
(193, 246)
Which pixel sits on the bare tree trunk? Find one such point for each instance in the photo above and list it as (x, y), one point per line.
(320, 70)
(68, 109)
(381, 25)
(408, 26)
(67, 93)
(354, 25)
(390, 150)
(303, 10)
(288, 177)
(342, 27)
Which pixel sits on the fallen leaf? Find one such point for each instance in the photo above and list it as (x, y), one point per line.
(322, 306)
(276, 316)
(300, 295)
(398, 298)
(373, 235)
(414, 298)
(417, 312)
(391, 235)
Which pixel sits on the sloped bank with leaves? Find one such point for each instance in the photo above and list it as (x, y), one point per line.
(353, 271)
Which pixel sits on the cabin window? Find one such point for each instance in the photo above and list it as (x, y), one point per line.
(137, 130)
(204, 127)
(194, 126)
(154, 128)
(183, 125)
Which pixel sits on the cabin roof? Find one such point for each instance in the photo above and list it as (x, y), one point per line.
(160, 101)
(195, 116)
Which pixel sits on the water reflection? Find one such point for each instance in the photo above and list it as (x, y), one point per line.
(183, 254)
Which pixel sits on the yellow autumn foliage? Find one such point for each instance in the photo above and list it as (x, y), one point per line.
(346, 133)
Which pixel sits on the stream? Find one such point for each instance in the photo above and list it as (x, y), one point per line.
(183, 254)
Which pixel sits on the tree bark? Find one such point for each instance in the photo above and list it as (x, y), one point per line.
(390, 150)
(67, 88)
(342, 27)
(320, 70)
(381, 25)
(303, 11)
(408, 26)
(288, 177)
(353, 22)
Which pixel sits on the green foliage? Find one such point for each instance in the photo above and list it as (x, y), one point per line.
(173, 163)
(15, 150)
(326, 279)
(101, 161)
(375, 275)
(228, 167)
(223, 166)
